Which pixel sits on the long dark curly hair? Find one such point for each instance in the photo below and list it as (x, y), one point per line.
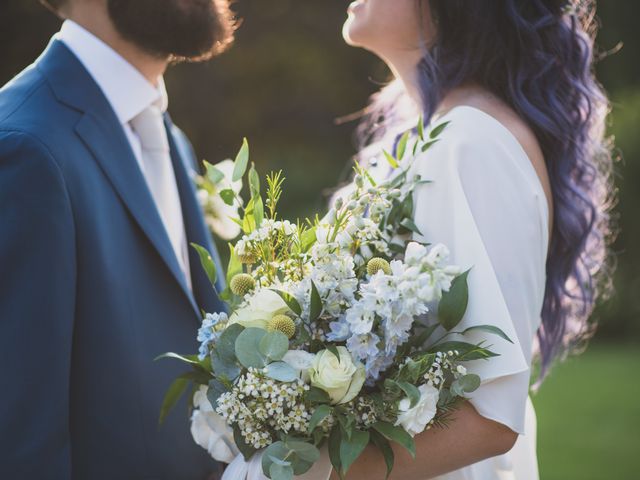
(537, 56)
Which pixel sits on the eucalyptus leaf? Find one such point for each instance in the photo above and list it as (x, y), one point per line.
(275, 450)
(273, 345)
(278, 461)
(214, 175)
(258, 211)
(224, 366)
(226, 344)
(247, 348)
(466, 384)
(254, 181)
(280, 471)
(241, 162)
(453, 303)
(281, 371)
(285, 453)
(304, 450)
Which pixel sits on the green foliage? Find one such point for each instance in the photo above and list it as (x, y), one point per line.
(247, 348)
(175, 391)
(291, 302)
(214, 175)
(292, 456)
(273, 345)
(465, 385)
(241, 162)
(397, 435)
(453, 304)
(320, 413)
(315, 309)
(207, 263)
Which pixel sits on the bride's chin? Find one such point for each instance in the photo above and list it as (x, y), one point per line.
(350, 34)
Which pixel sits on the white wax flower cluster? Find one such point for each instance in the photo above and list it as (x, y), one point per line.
(258, 402)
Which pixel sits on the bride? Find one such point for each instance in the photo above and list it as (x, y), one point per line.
(518, 190)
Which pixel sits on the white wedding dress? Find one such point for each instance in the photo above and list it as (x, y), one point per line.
(485, 202)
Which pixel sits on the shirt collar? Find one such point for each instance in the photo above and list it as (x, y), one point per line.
(126, 89)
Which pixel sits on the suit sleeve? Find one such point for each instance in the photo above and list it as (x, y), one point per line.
(37, 301)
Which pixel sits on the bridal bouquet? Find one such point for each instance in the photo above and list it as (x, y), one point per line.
(326, 340)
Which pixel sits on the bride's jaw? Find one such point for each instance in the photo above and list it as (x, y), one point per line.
(392, 30)
(355, 22)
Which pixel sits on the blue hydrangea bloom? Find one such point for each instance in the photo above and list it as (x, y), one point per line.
(207, 333)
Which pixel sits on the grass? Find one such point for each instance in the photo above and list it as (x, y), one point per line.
(589, 416)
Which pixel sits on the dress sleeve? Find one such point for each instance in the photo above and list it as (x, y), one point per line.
(483, 203)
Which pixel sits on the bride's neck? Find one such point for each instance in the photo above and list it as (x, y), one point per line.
(404, 66)
(405, 69)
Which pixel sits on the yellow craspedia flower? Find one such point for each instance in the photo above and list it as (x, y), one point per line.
(242, 284)
(282, 323)
(376, 264)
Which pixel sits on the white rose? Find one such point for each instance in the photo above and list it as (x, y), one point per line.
(260, 308)
(414, 420)
(210, 431)
(341, 379)
(300, 361)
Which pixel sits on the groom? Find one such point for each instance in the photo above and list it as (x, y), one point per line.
(97, 209)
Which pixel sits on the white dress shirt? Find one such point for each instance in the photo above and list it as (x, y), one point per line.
(126, 89)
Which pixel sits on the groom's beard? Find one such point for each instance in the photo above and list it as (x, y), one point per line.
(180, 29)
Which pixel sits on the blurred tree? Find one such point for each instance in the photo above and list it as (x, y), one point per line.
(289, 77)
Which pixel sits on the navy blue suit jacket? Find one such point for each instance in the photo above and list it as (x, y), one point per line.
(90, 289)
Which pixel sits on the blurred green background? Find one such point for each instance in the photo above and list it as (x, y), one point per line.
(283, 85)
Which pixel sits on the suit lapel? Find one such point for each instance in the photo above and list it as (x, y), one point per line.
(197, 232)
(102, 133)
